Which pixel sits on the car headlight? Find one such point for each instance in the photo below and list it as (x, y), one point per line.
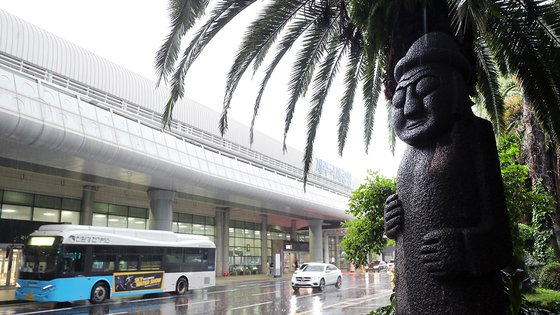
(315, 278)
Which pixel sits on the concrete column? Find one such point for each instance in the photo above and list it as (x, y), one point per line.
(293, 231)
(161, 209)
(225, 248)
(86, 207)
(264, 242)
(222, 241)
(316, 240)
(326, 247)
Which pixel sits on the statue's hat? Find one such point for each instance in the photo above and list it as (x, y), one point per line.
(433, 48)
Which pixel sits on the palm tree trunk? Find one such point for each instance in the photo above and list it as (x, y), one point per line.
(543, 161)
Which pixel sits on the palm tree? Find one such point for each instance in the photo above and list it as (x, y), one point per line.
(368, 37)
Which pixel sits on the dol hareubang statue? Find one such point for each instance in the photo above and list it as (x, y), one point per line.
(449, 215)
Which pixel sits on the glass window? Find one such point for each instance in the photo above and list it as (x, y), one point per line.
(249, 233)
(71, 204)
(238, 232)
(185, 228)
(72, 217)
(73, 259)
(18, 198)
(209, 230)
(47, 202)
(46, 215)
(187, 218)
(209, 221)
(198, 229)
(175, 227)
(174, 255)
(102, 263)
(150, 262)
(138, 212)
(118, 210)
(175, 216)
(128, 262)
(137, 223)
(16, 212)
(117, 221)
(99, 219)
(198, 219)
(99, 207)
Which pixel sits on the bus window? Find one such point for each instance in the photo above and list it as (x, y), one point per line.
(150, 262)
(174, 256)
(73, 259)
(128, 262)
(103, 263)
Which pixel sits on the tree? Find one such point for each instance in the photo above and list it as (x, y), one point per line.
(369, 37)
(364, 234)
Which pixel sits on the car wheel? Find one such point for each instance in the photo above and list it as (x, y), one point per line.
(295, 288)
(321, 287)
(181, 286)
(98, 293)
(338, 283)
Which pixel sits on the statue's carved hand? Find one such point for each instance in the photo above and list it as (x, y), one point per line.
(394, 216)
(442, 253)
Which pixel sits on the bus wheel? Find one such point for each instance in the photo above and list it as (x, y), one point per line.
(98, 293)
(181, 287)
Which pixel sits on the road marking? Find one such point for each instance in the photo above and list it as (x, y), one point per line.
(152, 299)
(45, 311)
(350, 302)
(264, 293)
(240, 307)
(308, 295)
(222, 291)
(208, 301)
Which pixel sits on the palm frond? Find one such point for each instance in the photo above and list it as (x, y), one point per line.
(372, 75)
(488, 86)
(346, 103)
(183, 14)
(529, 53)
(261, 33)
(313, 47)
(295, 30)
(321, 86)
(220, 16)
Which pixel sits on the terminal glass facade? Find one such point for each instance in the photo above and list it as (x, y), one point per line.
(244, 248)
(34, 207)
(110, 215)
(194, 224)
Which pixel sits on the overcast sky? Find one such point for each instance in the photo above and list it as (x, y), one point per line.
(129, 32)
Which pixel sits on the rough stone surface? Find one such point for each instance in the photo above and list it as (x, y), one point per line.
(449, 215)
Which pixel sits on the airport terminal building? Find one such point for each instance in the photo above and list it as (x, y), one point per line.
(82, 143)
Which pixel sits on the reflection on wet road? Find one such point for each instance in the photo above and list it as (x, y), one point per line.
(360, 293)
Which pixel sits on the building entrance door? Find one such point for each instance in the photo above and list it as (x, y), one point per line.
(9, 265)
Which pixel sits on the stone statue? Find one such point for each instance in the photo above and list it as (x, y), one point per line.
(449, 215)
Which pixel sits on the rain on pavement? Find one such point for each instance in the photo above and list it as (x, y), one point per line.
(360, 294)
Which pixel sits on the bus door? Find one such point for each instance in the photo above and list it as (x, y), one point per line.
(9, 265)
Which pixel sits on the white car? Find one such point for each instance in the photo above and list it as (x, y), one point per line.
(317, 276)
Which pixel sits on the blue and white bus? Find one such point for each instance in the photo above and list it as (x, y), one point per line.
(75, 262)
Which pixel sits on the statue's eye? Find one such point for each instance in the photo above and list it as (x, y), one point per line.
(398, 97)
(426, 85)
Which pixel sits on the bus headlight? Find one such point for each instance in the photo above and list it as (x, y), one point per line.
(18, 285)
(48, 287)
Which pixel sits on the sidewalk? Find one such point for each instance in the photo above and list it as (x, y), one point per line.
(8, 296)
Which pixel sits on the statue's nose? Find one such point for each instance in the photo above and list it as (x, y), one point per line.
(413, 104)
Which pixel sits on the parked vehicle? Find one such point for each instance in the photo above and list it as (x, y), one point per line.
(317, 276)
(377, 265)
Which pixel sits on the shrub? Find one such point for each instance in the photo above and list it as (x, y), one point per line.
(550, 276)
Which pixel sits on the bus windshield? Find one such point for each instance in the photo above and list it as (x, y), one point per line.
(40, 255)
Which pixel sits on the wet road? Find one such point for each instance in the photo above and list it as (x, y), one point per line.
(360, 293)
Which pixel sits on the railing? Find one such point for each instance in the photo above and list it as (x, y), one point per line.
(177, 128)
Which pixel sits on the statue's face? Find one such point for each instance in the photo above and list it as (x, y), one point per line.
(424, 104)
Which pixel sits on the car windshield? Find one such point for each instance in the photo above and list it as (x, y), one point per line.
(312, 268)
